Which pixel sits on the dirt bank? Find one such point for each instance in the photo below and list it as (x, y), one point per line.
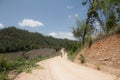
(105, 52)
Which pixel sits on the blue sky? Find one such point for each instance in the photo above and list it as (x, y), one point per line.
(49, 17)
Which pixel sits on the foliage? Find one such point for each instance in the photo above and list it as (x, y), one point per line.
(71, 55)
(4, 76)
(5, 64)
(97, 66)
(106, 12)
(79, 31)
(13, 40)
(20, 64)
(73, 51)
(82, 59)
(83, 32)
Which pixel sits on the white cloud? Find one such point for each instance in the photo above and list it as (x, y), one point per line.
(30, 22)
(73, 16)
(1, 25)
(97, 25)
(52, 34)
(62, 35)
(76, 15)
(69, 7)
(70, 17)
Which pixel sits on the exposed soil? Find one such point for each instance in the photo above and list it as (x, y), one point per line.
(43, 52)
(105, 52)
(40, 52)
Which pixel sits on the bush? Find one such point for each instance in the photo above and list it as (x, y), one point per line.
(82, 59)
(88, 41)
(20, 64)
(97, 66)
(5, 64)
(70, 55)
(4, 76)
(72, 50)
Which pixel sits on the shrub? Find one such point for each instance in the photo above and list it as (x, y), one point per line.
(70, 55)
(20, 64)
(5, 64)
(89, 41)
(82, 59)
(4, 76)
(97, 66)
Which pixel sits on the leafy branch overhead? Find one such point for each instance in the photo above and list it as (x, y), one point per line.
(104, 12)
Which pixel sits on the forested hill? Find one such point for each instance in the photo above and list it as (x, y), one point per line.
(13, 39)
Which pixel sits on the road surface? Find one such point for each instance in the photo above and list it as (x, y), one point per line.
(58, 68)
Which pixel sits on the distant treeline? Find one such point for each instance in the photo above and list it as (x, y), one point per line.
(13, 39)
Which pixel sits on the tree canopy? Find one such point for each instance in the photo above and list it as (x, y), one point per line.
(13, 39)
(104, 12)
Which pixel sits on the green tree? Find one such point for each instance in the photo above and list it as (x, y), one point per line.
(106, 12)
(81, 31)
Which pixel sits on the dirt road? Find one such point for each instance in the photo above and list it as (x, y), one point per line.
(58, 68)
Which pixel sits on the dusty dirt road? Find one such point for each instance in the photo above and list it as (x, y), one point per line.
(58, 68)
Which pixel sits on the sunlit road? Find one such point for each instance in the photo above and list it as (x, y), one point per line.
(58, 68)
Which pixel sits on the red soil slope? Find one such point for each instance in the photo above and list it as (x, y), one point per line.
(104, 52)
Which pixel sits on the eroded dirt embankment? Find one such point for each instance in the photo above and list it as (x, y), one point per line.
(105, 52)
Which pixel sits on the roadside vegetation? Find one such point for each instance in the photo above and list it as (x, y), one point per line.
(97, 66)
(17, 40)
(82, 59)
(104, 13)
(103, 19)
(20, 64)
(72, 50)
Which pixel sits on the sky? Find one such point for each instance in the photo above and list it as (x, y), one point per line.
(49, 17)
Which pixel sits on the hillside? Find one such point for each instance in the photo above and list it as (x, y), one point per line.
(105, 53)
(13, 40)
(20, 50)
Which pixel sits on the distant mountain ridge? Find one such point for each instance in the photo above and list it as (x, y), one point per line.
(13, 39)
